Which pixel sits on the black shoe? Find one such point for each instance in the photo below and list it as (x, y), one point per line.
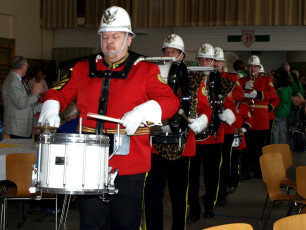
(221, 202)
(258, 176)
(193, 217)
(244, 176)
(209, 214)
(230, 189)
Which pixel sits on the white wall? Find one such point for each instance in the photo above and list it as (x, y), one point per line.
(22, 23)
(284, 43)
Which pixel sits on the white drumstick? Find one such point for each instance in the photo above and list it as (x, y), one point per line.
(102, 117)
(182, 113)
(106, 118)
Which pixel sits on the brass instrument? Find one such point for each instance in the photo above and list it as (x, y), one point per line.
(252, 78)
(169, 140)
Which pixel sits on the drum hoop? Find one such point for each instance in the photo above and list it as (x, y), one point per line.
(62, 138)
(72, 191)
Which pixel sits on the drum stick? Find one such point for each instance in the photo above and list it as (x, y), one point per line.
(102, 117)
(106, 118)
(182, 113)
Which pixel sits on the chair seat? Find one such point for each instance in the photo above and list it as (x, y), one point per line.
(288, 183)
(9, 187)
(284, 198)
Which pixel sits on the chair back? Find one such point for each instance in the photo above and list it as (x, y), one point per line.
(234, 226)
(295, 222)
(301, 181)
(284, 149)
(19, 169)
(273, 172)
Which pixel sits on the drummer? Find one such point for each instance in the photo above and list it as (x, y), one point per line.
(174, 167)
(114, 87)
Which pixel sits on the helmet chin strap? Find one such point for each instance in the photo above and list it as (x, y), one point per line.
(180, 56)
(105, 53)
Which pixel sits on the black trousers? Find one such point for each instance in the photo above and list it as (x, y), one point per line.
(235, 159)
(211, 158)
(255, 140)
(176, 172)
(225, 172)
(124, 210)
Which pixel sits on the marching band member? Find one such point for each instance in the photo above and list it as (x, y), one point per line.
(210, 148)
(114, 86)
(260, 92)
(229, 130)
(174, 168)
(244, 124)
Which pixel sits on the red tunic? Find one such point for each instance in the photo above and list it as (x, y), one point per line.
(202, 108)
(243, 119)
(273, 104)
(237, 95)
(228, 104)
(142, 84)
(265, 93)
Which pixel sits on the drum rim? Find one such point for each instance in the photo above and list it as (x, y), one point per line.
(62, 138)
(72, 191)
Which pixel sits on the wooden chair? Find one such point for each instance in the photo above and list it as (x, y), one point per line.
(295, 222)
(284, 149)
(19, 168)
(301, 185)
(273, 171)
(234, 226)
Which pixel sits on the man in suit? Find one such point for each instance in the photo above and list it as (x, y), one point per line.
(18, 102)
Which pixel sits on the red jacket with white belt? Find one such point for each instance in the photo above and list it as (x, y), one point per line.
(142, 84)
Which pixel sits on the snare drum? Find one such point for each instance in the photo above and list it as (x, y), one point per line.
(73, 163)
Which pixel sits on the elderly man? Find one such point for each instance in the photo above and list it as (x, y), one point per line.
(116, 87)
(18, 101)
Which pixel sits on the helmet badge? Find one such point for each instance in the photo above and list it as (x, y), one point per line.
(252, 59)
(109, 17)
(170, 38)
(217, 53)
(204, 49)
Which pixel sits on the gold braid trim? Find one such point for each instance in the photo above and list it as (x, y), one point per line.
(140, 131)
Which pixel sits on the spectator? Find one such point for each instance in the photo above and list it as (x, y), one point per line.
(70, 119)
(284, 91)
(38, 79)
(18, 101)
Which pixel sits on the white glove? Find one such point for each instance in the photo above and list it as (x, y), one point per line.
(249, 84)
(149, 111)
(199, 123)
(243, 130)
(50, 113)
(228, 116)
(252, 94)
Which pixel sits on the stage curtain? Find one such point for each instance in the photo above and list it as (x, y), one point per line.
(59, 14)
(180, 13)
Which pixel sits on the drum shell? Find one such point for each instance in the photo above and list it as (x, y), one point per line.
(73, 163)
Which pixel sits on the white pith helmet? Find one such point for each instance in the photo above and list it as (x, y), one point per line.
(230, 58)
(206, 51)
(174, 41)
(254, 60)
(262, 70)
(116, 18)
(219, 55)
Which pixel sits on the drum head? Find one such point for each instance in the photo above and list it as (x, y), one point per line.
(64, 138)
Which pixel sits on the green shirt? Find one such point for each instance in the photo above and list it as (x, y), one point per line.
(284, 107)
